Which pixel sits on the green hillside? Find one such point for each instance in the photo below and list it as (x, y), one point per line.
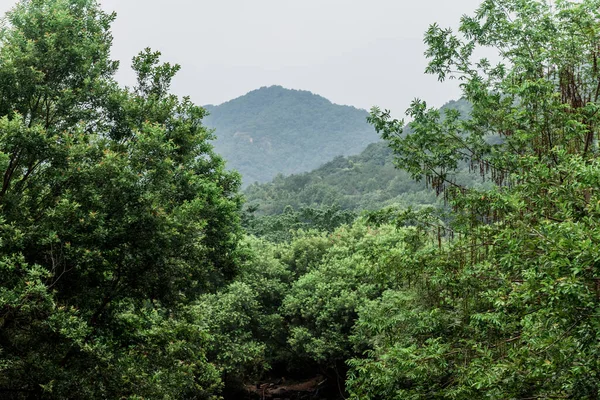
(367, 181)
(274, 130)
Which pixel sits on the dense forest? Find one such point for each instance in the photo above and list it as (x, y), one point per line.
(131, 267)
(273, 130)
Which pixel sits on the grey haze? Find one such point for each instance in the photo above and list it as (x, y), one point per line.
(361, 53)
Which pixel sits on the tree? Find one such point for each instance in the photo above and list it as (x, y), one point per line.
(115, 216)
(512, 295)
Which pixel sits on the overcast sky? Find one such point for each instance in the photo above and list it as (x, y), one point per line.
(356, 52)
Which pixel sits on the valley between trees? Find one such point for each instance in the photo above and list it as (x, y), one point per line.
(132, 266)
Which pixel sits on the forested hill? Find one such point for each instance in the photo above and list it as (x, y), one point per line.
(274, 130)
(367, 181)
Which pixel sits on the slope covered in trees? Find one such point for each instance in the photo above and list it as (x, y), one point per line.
(273, 130)
(367, 181)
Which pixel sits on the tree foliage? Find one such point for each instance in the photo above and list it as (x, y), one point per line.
(124, 271)
(115, 215)
(282, 227)
(512, 294)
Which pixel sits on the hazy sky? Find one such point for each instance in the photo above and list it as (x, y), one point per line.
(356, 52)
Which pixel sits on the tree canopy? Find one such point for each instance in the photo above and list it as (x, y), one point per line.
(115, 215)
(513, 289)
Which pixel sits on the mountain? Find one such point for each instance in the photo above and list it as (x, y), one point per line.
(367, 181)
(273, 130)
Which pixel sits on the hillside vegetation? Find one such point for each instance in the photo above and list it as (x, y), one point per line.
(273, 130)
(367, 181)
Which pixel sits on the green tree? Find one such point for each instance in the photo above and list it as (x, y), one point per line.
(247, 332)
(283, 227)
(322, 305)
(115, 216)
(511, 299)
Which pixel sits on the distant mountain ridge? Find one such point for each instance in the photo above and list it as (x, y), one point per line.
(273, 130)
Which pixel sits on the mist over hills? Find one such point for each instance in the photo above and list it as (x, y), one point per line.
(273, 130)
